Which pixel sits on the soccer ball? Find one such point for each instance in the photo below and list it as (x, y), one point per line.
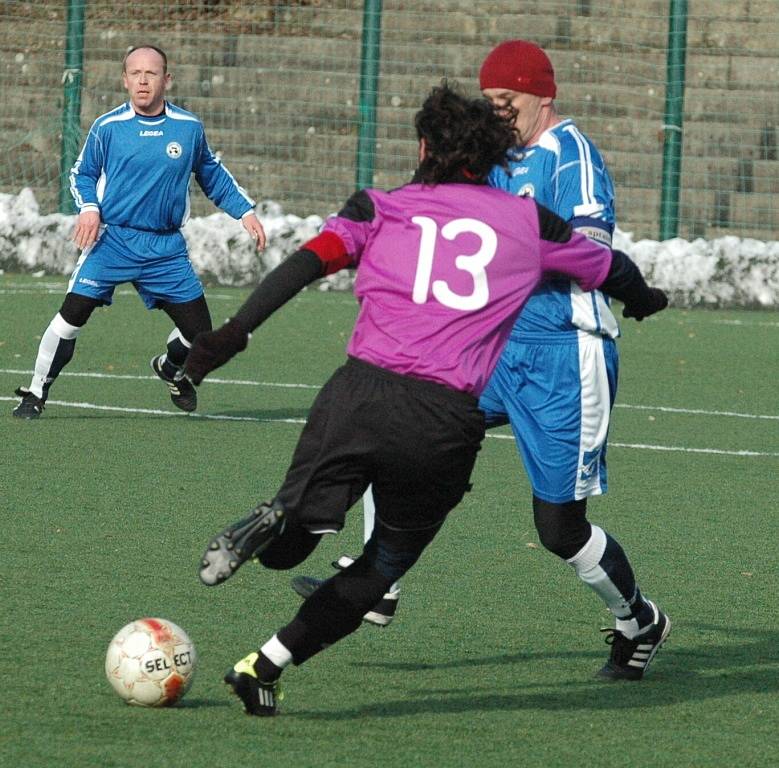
(150, 663)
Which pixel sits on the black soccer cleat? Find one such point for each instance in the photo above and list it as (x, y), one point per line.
(380, 615)
(258, 698)
(238, 543)
(31, 406)
(630, 658)
(182, 392)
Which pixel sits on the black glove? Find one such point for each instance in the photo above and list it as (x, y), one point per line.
(654, 300)
(213, 349)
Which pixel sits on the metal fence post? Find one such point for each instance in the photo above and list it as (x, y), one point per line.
(369, 90)
(71, 108)
(674, 115)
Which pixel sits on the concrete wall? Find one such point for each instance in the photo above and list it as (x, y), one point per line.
(277, 86)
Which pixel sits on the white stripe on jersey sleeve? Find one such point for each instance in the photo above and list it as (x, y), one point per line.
(586, 174)
(115, 115)
(74, 171)
(101, 187)
(241, 191)
(172, 111)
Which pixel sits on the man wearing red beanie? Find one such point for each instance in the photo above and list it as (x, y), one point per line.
(557, 377)
(518, 74)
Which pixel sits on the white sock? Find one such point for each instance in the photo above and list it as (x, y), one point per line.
(57, 331)
(586, 563)
(274, 651)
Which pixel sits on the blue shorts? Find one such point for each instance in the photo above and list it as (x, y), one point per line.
(557, 398)
(156, 264)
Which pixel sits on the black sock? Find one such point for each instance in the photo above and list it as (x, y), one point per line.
(175, 357)
(62, 357)
(334, 611)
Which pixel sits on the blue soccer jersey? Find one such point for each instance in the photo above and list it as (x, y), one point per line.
(556, 379)
(564, 172)
(136, 170)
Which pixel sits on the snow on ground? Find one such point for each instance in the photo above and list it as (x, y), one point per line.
(726, 272)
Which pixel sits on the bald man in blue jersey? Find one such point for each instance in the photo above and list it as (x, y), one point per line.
(131, 187)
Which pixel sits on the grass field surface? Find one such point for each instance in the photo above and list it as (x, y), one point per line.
(108, 500)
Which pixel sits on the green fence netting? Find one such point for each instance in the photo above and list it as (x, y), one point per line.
(278, 87)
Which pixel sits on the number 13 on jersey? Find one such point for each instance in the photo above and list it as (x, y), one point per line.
(474, 264)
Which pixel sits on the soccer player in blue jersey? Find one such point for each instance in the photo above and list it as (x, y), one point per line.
(556, 380)
(131, 187)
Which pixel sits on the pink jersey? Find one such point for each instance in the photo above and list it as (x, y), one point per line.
(442, 272)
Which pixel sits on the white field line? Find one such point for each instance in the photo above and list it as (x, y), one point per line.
(292, 385)
(160, 412)
(132, 377)
(699, 412)
(32, 289)
(257, 419)
(763, 323)
(670, 448)
(50, 289)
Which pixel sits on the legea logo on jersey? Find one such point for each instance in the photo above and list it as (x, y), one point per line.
(528, 190)
(173, 150)
(150, 133)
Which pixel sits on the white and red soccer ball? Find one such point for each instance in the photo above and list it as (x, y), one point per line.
(150, 662)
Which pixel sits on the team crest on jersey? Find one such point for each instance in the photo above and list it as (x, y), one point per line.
(173, 150)
(527, 190)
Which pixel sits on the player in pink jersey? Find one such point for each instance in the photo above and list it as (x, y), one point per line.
(444, 264)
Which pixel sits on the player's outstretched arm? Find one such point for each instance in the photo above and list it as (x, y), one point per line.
(213, 349)
(574, 254)
(323, 255)
(626, 283)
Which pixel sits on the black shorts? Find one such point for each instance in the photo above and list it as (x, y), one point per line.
(415, 441)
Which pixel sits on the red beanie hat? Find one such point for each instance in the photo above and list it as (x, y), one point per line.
(518, 65)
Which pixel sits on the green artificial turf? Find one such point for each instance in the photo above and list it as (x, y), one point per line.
(105, 509)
